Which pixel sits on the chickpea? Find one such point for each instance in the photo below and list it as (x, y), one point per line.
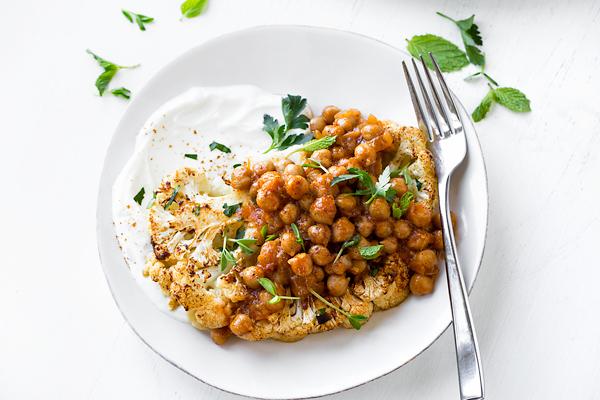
(323, 156)
(253, 191)
(301, 264)
(268, 200)
(319, 234)
(402, 229)
(290, 244)
(304, 223)
(313, 174)
(220, 335)
(336, 170)
(346, 203)
(323, 210)
(380, 209)
(419, 239)
(294, 169)
(306, 201)
(354, 253)
(263, 166)
(274, 221)
(390, 244)
(320, 255)
(317, 123)
(329, 113)
(339, 267)
(281, 164)
(250, 276)
(370, 131)
(289, 213)
(438, 240)
(365, 153)
(337, 284)
(365, 225)
(419, 214)
(399, 185)
(269, 253)
(420, 284)
(318, 273)
(333, 130)
(425, 262)
(358, 266)
(322, 186)
(265, 297)
(241, 179)
(282, 274)
(296, 187)
(338, 152)
(382, 142)
(347, 123)
(271, 181)
(342, 230)
(241, 325)
(384, 229)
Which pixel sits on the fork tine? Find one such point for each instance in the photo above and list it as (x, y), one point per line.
(448, 96)
(440, 108)
(437, 127)
(421, 116)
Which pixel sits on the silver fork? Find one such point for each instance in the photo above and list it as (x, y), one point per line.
(440, 119)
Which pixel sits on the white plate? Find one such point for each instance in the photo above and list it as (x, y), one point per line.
(327, 67)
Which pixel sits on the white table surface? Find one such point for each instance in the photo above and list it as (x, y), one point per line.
(536, 303)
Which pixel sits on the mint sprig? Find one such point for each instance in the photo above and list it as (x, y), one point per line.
(348, 243)
(272, 290)
(510, 98)
(298, 236)
(316, 144)
(354, 320)
(139, 18)
(110, 69)
(370, 252)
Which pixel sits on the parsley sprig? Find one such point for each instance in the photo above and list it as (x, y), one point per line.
(139, 18)
(471, 38)
(354, 320)
(291, 107)
(110, 69)
(270, 287)
(380, 189)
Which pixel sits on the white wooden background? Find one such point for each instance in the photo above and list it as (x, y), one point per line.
(536, 303)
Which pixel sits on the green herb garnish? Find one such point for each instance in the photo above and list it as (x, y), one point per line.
(272, 290)
(244, 243)
(219, 146)
(398, 211)
(152, 200)
(404, 172)
(419, 184)
(291, 107)
(353, 319)
(232, 209)
(110, 69)
(173, 195)
(448, 56)
(370, 252)
(380, 189)
(139, 196)
(317, 164)
(263, 233)
(471, 39)
(510, 98)
(348, 243)
(298, 236)
(226, 256)
(236, 165)
(192, 8)
(374, 272)
(139, 18)
(316, 144)
(123, 92)
(192, 156)
(197, 210)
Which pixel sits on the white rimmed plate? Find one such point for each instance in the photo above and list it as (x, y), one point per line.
(339, 68)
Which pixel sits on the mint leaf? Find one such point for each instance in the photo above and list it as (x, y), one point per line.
(126, 93)
(230, 210)
(399, 210)
(268, 285)
(448, 56)
(219, 146)
(370, 252)
(139, 196)
(197, 210)
(483, 108)
(316, 144)
(348, 243)
(512, 99)
(353, 319)
(192, 8)
(139, 18)
(173, 195)
(298, 235)
(110, 69)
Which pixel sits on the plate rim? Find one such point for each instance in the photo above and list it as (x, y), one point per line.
(101, 242)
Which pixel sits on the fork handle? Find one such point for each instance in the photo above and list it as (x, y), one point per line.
(470, 372)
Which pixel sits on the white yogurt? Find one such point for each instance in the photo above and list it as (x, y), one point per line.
(232, 116)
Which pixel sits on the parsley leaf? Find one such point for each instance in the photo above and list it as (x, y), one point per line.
(370, 252)
(232, 209)
(192, 8)
(110, 69)
(192, 156)
(471, 38)
(448, 56)
(383, 187)
(219, 146)
(398, 211)
(353, 319)
(126, 93)
(348, 243)
(139, 18)
(291, 107)
(510, 98)
(139, 196)
(173, 195)
(298, 235)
